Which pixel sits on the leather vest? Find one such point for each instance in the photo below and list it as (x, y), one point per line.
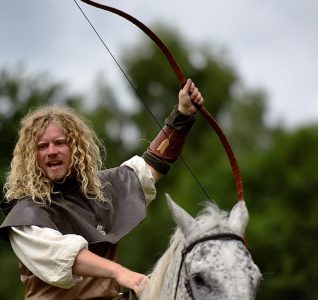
(72, 213)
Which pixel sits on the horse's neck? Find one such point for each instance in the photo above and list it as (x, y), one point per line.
(169, 284)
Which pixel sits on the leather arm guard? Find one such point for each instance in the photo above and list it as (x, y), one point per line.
(167, 146)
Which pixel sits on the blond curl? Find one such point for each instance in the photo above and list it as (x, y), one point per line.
(25, 178)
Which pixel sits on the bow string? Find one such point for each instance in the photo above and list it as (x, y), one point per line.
(182, 80)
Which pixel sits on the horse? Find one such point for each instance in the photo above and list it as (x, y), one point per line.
(207, 258)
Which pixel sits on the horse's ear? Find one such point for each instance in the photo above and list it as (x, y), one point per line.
(184, 220)
(239, 218)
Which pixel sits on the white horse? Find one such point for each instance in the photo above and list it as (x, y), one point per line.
(207, 258)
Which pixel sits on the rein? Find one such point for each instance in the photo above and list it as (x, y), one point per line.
(186, 250)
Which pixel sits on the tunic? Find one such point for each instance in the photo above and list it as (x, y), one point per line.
(98, 227)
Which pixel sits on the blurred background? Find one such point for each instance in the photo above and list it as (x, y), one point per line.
(255, 64)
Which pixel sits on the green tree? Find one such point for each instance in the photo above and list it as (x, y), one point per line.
(156, 85)
(283, 186)
(19, 92)
(278, 165)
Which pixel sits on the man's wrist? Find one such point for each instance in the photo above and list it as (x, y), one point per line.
(185, 110)
(167, 146)
(179, 120)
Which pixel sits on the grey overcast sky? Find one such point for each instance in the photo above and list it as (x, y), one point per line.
(273, 44)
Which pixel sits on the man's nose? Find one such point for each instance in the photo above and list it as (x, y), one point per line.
(51, 150)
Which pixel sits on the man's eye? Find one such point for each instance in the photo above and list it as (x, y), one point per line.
(42, 146)
(61, 142)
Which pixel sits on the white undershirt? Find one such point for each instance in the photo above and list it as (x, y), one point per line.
(50, 255)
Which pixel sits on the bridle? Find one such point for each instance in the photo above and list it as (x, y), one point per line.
(187, 249)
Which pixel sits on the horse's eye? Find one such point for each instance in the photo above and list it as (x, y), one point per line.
(198, 279)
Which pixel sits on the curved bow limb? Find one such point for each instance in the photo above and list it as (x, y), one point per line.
(172, 61)
(182, 80)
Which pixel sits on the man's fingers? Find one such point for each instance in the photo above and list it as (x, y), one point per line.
(188, 86)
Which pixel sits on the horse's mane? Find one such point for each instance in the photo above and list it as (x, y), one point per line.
(210, 217)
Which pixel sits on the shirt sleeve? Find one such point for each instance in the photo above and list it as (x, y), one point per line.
(47, 253)
(145, 176)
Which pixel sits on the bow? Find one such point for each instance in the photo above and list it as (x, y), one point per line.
(182, 79)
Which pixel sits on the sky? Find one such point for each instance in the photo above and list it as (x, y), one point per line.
(272, 44)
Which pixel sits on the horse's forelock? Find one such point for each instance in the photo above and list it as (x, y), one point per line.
(209, 218)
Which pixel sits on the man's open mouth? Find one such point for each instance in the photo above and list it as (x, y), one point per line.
(53, 164)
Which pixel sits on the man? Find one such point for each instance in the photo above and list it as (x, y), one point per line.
(66, 215)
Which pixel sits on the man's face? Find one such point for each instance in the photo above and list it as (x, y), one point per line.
(54, 153)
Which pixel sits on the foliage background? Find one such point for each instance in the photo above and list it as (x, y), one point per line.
(278, 164)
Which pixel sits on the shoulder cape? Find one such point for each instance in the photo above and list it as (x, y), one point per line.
(71, 213)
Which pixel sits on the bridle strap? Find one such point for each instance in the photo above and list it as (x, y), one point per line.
(217, 236)
(212, 237)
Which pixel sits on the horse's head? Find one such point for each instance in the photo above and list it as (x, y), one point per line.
(216, 263)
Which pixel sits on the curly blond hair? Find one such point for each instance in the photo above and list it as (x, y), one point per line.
(25, 178)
